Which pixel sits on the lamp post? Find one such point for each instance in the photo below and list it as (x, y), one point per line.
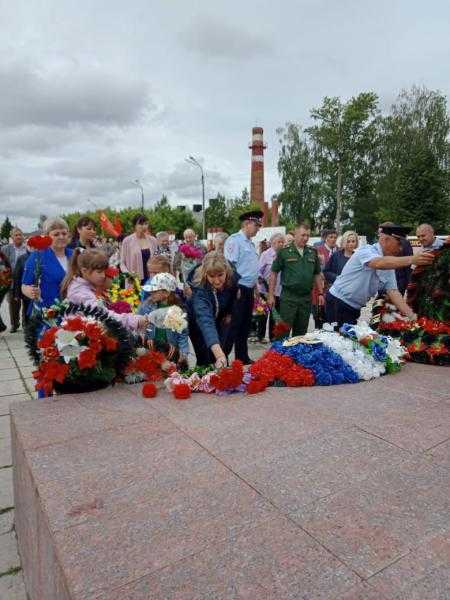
(192, 161)
(139, 185)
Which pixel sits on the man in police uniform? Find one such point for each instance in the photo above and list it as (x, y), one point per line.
(370, 270)
(240, 251)
(299, 266)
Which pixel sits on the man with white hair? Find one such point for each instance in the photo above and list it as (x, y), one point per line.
(425, 235)
(370, 270)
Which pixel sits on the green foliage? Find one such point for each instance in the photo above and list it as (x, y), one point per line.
(300, 196)
(5, 230)
(414, 178)
(161, 218)
(344, 140)
(355, 168)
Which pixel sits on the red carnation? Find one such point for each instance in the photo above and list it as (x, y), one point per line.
(111, 272)
(92, 330)
(149, 390)
(256, 386)
(74, 324)
(181, 391)
(87, 359)
(95, 346)
(48, 338)
(110, 343)
(40, 242)
(281, 329)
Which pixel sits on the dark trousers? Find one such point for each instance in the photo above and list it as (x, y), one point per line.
(241, 320)
(338, 311)
(15, 304)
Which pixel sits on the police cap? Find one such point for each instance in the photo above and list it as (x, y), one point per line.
(394, 230)
(252, 215)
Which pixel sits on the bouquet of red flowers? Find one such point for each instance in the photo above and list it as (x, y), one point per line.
(229, 379)
(191, 251)
(77, 349)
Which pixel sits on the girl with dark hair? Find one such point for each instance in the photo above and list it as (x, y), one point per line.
(84, 233)
(138, 248)
(85, 282)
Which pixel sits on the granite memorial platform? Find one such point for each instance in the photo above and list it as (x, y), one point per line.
(319, 493)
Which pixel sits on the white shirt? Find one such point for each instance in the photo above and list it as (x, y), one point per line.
(358, 282)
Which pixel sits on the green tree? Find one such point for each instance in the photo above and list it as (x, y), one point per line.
(216, 214)
(300, 198)
(414, 177)
(5, 230)
(344, 140)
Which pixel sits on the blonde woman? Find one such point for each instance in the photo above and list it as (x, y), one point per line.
(53, 265)
(348, 244)
(213, 285)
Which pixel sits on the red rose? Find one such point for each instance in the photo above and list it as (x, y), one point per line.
(149, 390)
(40, 242)
(181, 391)
(87, 359)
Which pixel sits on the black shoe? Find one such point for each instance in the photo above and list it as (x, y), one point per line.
(247, 362)
(13, 329)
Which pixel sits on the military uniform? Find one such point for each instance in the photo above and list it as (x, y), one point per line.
(298, 270)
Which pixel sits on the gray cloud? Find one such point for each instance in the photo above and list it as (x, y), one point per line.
(69, 96)
(211, 37)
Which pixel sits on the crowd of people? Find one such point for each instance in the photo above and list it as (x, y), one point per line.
(215, 286)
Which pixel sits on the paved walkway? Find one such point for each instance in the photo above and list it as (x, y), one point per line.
(325, 493)
(15, 386)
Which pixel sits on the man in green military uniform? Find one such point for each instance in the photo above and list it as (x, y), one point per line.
(299, 266)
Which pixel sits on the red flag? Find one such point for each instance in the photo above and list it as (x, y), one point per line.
(118, 224)
(107, 226)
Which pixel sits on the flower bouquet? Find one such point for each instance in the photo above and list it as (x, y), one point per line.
(125, 287)
(38, 243)
(77, 349)
(260, 307)
(192, 252)
(281, 329)
(427, 339)
(326, 357)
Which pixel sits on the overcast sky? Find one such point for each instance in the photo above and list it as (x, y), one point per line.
(94, 95)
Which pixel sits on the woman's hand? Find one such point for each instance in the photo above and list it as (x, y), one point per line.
(220, 362)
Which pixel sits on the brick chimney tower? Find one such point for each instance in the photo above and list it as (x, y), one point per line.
(257, 174)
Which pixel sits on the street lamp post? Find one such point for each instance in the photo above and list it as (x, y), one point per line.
(191, 160)
(138, 183)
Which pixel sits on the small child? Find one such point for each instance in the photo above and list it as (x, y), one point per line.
(162, 293)
(85, 284)
(156, 264)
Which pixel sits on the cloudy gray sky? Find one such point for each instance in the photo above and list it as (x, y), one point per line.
(94, 94)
